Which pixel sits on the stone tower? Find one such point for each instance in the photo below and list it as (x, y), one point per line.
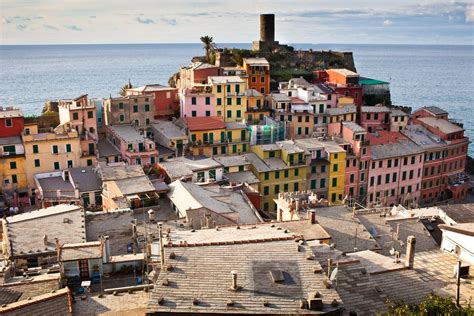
(267, 34)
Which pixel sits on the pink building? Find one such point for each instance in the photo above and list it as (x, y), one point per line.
(196, 74)
(135, 148)
(395, 173)
(81, 114)
(166, 103)
(197, 101)
(375, 118)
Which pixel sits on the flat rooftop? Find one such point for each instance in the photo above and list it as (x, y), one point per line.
(127, 132)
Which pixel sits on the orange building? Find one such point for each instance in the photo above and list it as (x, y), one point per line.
(258, 71)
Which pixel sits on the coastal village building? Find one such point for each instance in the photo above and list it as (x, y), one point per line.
(344, 81)
(52, 151)
(164, 100)
(269, 132)
(375, 118)
(126, 186)
(395, 171)
(11, 121)
(136, 110)
(81, 186)
(258, 74)
(13, 173)
(211, 206)
(135, 148)
(280, 167)
(256, 108)
(168, 135)
(196, 74)
(346, 113)
(29, 239)
(194, 169)
(230, 97)
(398, 120)
(81, 114)
(197, 101)
(107, 152)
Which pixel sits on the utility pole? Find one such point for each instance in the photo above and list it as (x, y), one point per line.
(458, 284)
(162, 246)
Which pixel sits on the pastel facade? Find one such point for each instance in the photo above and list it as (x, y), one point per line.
(196, 74)
(279, 167)
(197, 101)
(398, 120)
(13, 170)
(51, 151)
(135, 148)
(344, 81)
(346, 113)
(11, 121)
(131, 110)
(231, 101)
(258, 71)
(375, 118)
(165, 99)
(256, 108)
(170, 135)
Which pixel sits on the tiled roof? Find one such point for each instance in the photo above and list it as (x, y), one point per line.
(8, 296)
(460, 213)
(10, 111)
(256, 61)
(399, 149)
(26, 231)
(169, 129)
(200, 279)
(422, 137)
(86, 250)
(375, 109)
(446, 127)
(353, 126)
(10, 140)
(232, 161)
(127, 132)
(54, 303)
(86, 179)
(204, 123)
(435, 110)
(242, 177)
(346, 109)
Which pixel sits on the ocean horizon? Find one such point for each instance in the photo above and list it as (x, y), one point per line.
(419, 75)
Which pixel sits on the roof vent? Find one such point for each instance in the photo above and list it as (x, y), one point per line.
(277, 276)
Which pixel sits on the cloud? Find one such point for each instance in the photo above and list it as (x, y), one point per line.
(6, 21)
(21, 27)
(50, 27)
(92, 17)
(169, 21)
(469, 13)
(387, 22)
(144, 20)
(73, 28)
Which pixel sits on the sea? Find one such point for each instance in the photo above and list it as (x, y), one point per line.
(419, 75)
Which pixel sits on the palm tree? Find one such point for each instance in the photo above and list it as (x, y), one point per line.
(209, 46)
(123, 90)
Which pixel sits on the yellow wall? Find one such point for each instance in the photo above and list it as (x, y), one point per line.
(219, 143)
(351, 117)
(224, 107)
(6, 172)
(46, 156)
(338, 159)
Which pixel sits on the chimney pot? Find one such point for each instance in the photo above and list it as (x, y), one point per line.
(410, 256)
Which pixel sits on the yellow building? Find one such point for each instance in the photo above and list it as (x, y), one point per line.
(12, 164)
(337, 169)
(256, 110)
(279, 167)
(231, 101)
(238, 138)
(346, 113)
(51, 151)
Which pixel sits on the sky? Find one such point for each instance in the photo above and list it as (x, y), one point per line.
(236, 21)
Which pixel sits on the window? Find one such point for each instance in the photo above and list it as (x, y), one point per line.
(285, 187)
(193, 100)
(68, 148)
(208, 113)
(135, 108)
(242, 135)
(389, 163)
(147, 108)
(266, 175)
(223, 150)
(69, 163)
(286, 173)
(376, 116)
(219, 101)
(396, 162)
(152, 159)
(229, 113)
(335, 167)
(297, 172)
(313, 184)
(75, 116)
(121, 118)
(296, 186)
(322, 183)
(394, 177)
(265, 190)
(239, 113)
(208, 100)
(379, 180)
(405, 161)
(380, 164)
(254, 79)
(323, 169)
(277, 188)
(410, 175)
(351, 178)
(234, 149)
(368, 116)
(413, 160)
(193, 113)
(56, 165)
(37, 163)
(239, 101)
(335, 156)
(387, 178)
(121, 105)
(14, 178)
(12, 164)
(147, 121)
(372, 179)
(277, 174)
(55, 149)
(404, 175)
(90, 114)
(219, 89)
(334, 182)
(229, 101)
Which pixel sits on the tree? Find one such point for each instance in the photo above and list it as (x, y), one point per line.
(123, 90)
(431, 305)
(209, 46)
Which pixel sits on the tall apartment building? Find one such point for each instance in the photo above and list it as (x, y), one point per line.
(231, 101)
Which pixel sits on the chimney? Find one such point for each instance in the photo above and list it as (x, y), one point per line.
(45, 241)
(298, 205)
(312, 216)
(234, 280)
(106, 249)
(398, 231)
(151, 215)
(410, 256)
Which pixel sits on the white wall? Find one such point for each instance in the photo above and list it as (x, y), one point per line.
(466, 244)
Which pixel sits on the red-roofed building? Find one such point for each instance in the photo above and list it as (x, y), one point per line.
(385, 137)
(344, 81)
(165, 98)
